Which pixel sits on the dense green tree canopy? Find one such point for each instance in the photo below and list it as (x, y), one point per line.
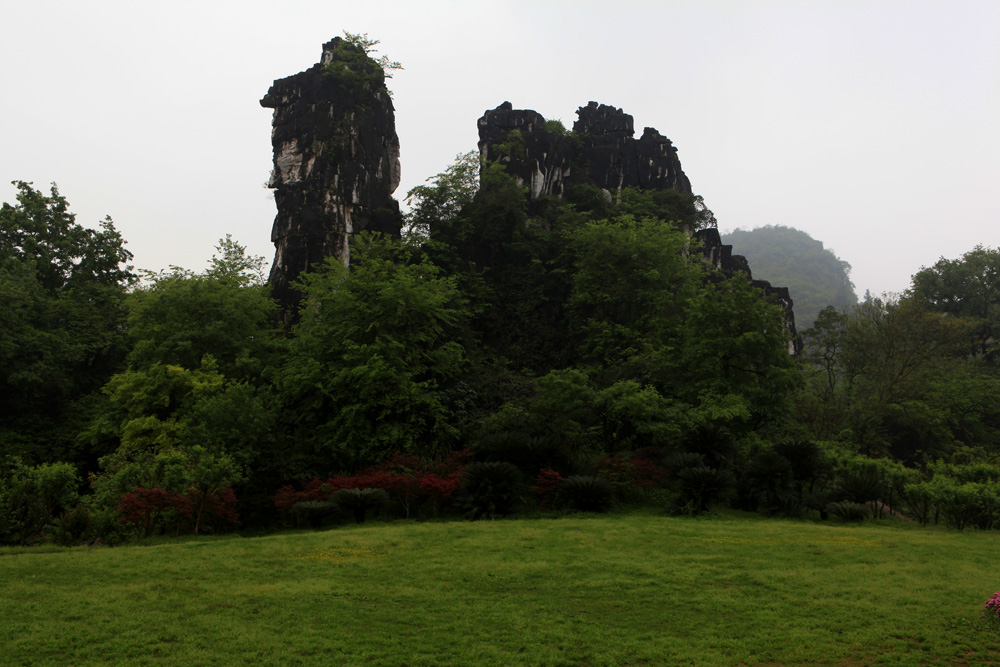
(377, 345)
(563, 336)
(62, 286)
(968, 287)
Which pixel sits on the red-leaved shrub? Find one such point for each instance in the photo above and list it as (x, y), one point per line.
(147, 506)
(408, 481)
(547, 486)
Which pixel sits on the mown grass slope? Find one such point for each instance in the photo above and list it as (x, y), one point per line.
(631, 589)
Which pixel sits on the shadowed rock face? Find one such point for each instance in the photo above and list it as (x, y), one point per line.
(602, 151)
(618, 161)
(336, 162)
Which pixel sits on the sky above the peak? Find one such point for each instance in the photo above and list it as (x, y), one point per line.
(872, 126)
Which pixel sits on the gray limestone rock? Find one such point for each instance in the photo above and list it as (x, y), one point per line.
(336, 162)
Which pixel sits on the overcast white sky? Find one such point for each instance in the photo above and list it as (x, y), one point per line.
(871, 125)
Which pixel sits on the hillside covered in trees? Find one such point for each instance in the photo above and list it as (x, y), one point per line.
(814, 275)
(521, 341)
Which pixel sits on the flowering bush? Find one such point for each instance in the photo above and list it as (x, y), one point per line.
(992, 606)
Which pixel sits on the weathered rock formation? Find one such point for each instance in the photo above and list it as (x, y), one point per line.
(601, 151)
(336, 162)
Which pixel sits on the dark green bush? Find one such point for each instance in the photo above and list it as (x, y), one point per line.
(313, 511)
(585, 493)
(861, 486)
(74, 525)
(528, 453)
(767, 481)
(700, 487)
(489, 489)
(818, 500)
(359, 502)
(715, 443)
(679, 461)
(31, 497)
(809, 465)
(848, 511)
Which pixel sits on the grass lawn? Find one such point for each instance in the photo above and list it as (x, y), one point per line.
(627, 589)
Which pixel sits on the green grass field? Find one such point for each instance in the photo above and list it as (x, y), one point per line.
(633, 589)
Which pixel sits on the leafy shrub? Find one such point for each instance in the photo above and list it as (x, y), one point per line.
(547, 487)
(807, 461)
(489, 489)
(313, 511)
(528, 453)
(158, 508)
(679, 461)
(714, 442)
(74, 525)
(860, 486)
(767, 480)
(629, 472)
(849, 511)
(818, 501)
(30, 497)
(921, 501)
(585, 493)
(408, 480)
(700, 487)
(145, 507)
(358, 502)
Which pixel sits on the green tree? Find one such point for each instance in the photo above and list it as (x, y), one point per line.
(631, 282)
(177, 317)
(896, 378)
(376, 346)
(194, 398)
(735, 354)
(447, 195)
(63, 287)
(969, 288)
(32, 496)
(367, 44)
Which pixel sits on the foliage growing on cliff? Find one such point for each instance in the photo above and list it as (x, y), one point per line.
(368, 45)
(353, 65)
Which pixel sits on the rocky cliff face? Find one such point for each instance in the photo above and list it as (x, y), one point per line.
(601, 151)
(336, 162)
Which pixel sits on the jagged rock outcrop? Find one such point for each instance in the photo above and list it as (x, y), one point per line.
(601, 151)
(617, 161)
(336, 162)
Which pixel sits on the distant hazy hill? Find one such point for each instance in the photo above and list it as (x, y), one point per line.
(791, 258)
